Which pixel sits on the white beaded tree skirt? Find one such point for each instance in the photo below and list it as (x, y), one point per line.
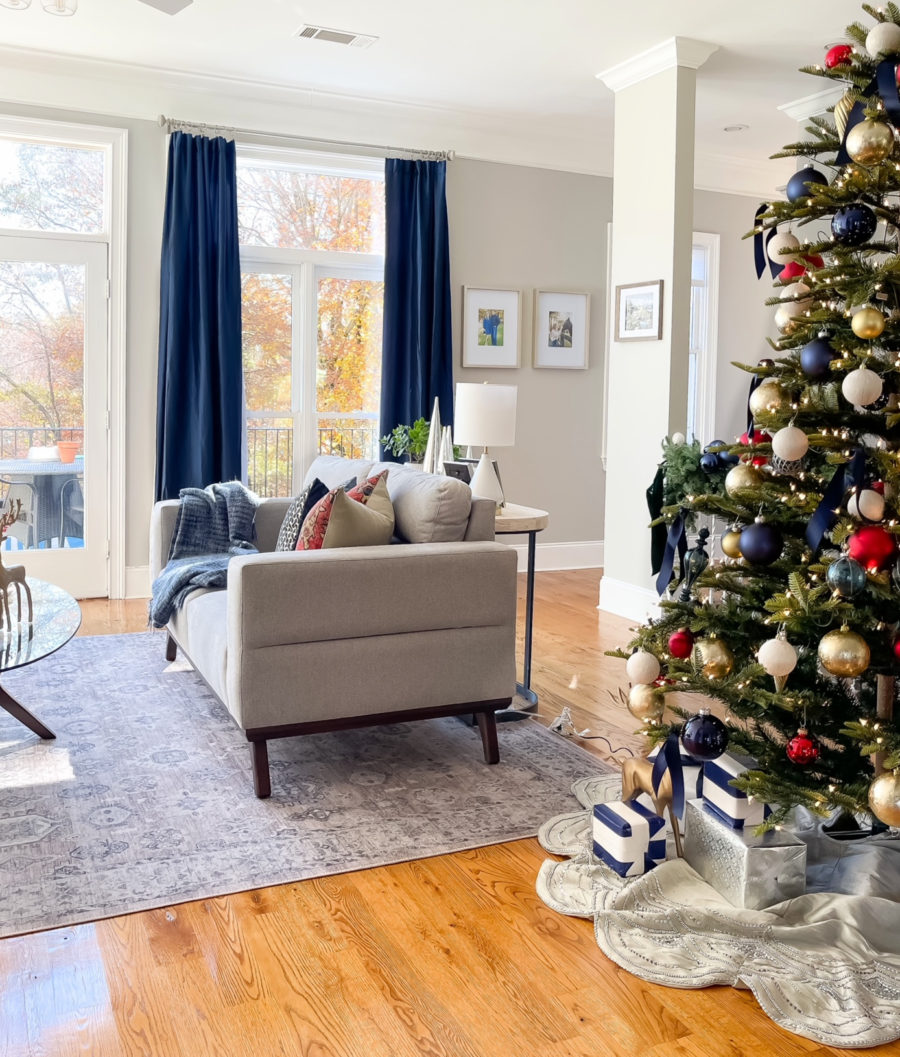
(825, 966)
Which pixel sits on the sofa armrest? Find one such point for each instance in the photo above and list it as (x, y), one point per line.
(361, 592)
(162, 525)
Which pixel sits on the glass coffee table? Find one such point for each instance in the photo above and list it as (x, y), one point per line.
(57, 617)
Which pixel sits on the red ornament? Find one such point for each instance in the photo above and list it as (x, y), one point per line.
(663, 681)
(872, 546)
(877, 486)
(802, 749)
(897, 649)
(839, 55)
(793, 270)
(681, 643)
(758, 438)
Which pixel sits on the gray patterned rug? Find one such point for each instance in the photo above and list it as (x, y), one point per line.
(145, 797)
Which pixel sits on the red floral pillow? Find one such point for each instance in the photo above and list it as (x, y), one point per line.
(315, 524)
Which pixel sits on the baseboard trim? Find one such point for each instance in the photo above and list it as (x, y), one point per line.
(137, 581)
(585, 554)
(627, 600)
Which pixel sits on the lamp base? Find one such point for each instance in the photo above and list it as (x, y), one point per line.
(484, 481)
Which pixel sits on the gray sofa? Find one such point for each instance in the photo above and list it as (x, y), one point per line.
(309, 641)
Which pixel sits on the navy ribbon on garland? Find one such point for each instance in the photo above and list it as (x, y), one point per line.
(824, 517)
(676, 543)
(669, 759)
(755, 383)
(761, 242)
(884, 83)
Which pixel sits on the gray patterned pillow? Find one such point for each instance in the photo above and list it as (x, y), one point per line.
(297, 511)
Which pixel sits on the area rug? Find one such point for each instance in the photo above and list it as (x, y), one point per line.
(146, 799)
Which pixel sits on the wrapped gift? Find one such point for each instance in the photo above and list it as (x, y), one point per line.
(691, 774)
(731, 806)
(629, 838)
(749, 871)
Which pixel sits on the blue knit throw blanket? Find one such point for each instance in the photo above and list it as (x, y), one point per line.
(212, 526)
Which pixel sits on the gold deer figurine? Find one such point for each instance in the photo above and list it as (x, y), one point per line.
(637, 778)
(13, 575)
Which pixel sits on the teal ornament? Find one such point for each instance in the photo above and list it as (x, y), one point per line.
(846, 576)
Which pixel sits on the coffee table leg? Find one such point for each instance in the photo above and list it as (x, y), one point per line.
(12, 706)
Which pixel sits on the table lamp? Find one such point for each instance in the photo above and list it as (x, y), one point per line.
(485, 415)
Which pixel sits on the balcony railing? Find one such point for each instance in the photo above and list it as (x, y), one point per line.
(16, 440)
(270, 451)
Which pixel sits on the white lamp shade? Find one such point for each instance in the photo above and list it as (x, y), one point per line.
(485, 415)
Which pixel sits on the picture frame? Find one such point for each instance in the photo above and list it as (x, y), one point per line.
(561, 327)
(491, 327)
(639, 314)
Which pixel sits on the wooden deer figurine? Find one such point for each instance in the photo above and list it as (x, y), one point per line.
(13, 575)
(637, 778)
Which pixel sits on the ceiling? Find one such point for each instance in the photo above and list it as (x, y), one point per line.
(523, 65)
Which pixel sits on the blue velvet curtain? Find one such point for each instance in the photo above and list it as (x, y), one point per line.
(416, 356)
(200, 407)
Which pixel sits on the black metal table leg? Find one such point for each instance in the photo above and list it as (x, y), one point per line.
(17, 711)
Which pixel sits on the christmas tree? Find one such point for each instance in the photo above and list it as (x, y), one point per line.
(796, 630)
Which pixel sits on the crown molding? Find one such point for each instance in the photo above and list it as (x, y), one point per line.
(813, 105)
(676, 51)
(757, 178)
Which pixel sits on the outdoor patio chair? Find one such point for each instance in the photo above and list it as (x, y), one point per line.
(24, 529)
(71, 511)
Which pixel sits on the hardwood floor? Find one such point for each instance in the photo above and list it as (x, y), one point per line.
(453, 955)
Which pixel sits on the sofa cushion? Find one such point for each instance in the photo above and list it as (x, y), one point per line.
(350, 528)
(428, 508)
(333, 470)
(289, 532)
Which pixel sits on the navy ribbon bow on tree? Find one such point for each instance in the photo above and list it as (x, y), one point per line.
(884, 84)
(761, 242)
(849, 476)
(669, 759)
(676, 543)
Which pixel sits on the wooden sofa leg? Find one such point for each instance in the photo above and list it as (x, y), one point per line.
(262, 783)
(171, 648)
(487, 724)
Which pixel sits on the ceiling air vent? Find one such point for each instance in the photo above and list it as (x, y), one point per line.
(336, 36)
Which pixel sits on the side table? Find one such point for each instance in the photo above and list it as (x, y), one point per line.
(524, 520)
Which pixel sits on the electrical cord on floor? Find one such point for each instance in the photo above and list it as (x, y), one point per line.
(564, 725)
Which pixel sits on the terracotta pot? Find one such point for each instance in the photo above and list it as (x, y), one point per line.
(68, 449)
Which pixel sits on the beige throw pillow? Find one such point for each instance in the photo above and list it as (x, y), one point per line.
(361, 524)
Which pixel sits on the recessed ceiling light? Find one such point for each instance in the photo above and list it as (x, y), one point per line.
(735, 128)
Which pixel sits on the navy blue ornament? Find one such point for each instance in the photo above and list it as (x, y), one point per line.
(704, 736)
(761, 544)
(709, 462)
(853, 225)
(846, 576)
(724, 458)
(816, 357)
(796, 186)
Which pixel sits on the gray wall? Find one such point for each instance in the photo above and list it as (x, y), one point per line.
(514, 227)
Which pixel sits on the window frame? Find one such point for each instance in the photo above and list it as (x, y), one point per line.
(306, 267)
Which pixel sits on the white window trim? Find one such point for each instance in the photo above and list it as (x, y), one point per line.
(115, 142)
(707, 351)
(311, 161)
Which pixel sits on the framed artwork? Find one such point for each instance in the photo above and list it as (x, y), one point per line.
(639, 311)
(561, 322)
(491, 327)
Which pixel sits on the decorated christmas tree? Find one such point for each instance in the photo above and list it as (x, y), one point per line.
(795, 630)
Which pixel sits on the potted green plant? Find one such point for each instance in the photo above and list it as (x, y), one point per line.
(408, 440)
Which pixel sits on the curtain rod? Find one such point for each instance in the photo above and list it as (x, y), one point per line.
(172, 124)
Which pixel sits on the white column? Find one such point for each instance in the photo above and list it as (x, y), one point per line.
(653, 190)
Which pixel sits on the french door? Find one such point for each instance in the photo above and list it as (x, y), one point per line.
(54, 419)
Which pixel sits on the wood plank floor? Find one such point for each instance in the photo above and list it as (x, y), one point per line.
(453, 955)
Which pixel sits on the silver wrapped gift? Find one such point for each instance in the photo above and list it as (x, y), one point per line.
(749, 871)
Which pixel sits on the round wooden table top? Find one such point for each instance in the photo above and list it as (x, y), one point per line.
(514, 518)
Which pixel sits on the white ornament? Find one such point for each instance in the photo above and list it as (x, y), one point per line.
(799, 291)
(786, 314)
(778, 657)
(642, 667)
(783, 240)
(862, 387)
(866, 504)
(790, 443)
(883, 39)
(678, 438)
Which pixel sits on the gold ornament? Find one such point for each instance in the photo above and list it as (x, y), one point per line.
(844, 653)
(731, 544)
(884, 798)
(645, 702)
(842, 110)
(742, 478)
(870, 142)
(718, 660)
(768, 396)
(867, 323)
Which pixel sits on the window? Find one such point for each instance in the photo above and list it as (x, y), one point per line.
(702, 355)
(312, 238)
